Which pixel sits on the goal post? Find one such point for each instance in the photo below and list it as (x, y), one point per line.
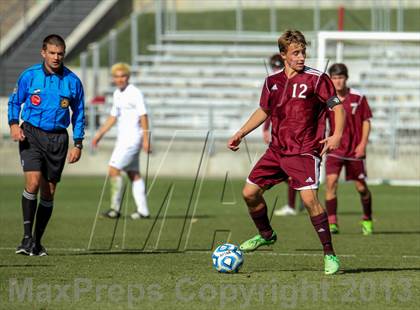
(384, 66)
(340, 36)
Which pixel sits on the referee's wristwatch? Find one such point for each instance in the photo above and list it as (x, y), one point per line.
(78, 144)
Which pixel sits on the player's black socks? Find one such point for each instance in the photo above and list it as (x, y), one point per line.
(43, 215)
(29, 203)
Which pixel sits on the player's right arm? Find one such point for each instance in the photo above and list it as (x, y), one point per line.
(16, 99)
(256, 119)
(111, 120)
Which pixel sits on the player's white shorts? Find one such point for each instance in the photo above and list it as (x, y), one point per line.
(125, 157)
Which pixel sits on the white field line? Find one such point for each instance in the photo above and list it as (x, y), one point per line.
(268, 253)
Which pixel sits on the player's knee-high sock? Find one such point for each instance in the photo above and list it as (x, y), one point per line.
(139, 194)
(43, 215)
(322, 228)
(367, 206)
(332, 210)
(262, 222)
(291, 197)
(29, 203)
(117, 187)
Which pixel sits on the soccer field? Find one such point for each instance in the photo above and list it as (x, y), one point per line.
(165, 262)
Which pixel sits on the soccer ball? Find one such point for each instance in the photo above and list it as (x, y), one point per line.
(227, 258)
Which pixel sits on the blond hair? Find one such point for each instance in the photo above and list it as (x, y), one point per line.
(120, 66)
(289, 37)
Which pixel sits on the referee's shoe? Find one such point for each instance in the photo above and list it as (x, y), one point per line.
(25, 246)
(38, 250)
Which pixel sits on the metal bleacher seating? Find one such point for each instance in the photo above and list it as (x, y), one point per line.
(192, 85)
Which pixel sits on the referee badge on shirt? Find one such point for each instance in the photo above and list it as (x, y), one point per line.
(36, 100)
(64, 103)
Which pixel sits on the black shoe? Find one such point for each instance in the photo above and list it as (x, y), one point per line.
(38, 250)
(111, 214)
(25, 247)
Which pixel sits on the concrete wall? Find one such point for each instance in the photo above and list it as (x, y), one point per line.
(182, 159)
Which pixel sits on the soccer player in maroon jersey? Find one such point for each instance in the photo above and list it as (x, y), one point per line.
(297, 100)
(276, 64)
(352, 152)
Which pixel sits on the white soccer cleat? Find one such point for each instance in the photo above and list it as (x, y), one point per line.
(137, 216)
(285, 211)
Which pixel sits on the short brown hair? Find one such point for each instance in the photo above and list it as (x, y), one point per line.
(53, 39)
(338, 69)
(289, 37)
(276, 61)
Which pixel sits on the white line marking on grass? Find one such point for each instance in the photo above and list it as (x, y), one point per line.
(52, 249)
(340, 255)
(411, 256)
(252, 253)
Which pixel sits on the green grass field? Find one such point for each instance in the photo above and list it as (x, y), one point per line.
(378, 272)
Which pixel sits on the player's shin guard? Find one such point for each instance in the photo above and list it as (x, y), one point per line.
(331, 206)
(139, 194)
(367, 207)
(29, 202)
(320, 223)
(43, 215)
(117, 187)
(262, 222)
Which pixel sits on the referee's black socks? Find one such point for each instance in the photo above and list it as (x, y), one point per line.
(43, 215)
(29, 203)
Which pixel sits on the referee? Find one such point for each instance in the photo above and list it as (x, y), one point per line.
(48, 91)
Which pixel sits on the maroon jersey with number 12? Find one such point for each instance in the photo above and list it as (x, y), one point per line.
(298, 110)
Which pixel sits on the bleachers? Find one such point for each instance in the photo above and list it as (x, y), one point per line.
(193, 85)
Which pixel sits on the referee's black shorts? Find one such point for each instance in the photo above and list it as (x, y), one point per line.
(44, 151)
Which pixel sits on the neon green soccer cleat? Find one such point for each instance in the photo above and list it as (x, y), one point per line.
(331, 264)
(257, 241)
(367, 227)
(334, 229)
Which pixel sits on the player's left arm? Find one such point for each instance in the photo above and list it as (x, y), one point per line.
(144, 123)
(266, 131)
(333, 142)
(360, 151)
(326, 93)
(78, 122)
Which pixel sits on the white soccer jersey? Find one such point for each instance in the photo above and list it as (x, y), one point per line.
(128, 106)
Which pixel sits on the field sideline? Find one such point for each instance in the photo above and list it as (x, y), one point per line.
(165, 262)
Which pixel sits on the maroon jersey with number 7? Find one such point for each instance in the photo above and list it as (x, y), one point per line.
(298, 110)
(357, 111)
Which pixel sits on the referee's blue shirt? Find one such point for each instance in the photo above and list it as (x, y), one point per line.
(46, 100)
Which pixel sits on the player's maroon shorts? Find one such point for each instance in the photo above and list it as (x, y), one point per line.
(355, 169)
(273, 168)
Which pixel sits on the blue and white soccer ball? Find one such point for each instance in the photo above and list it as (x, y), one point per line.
(227, 258)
